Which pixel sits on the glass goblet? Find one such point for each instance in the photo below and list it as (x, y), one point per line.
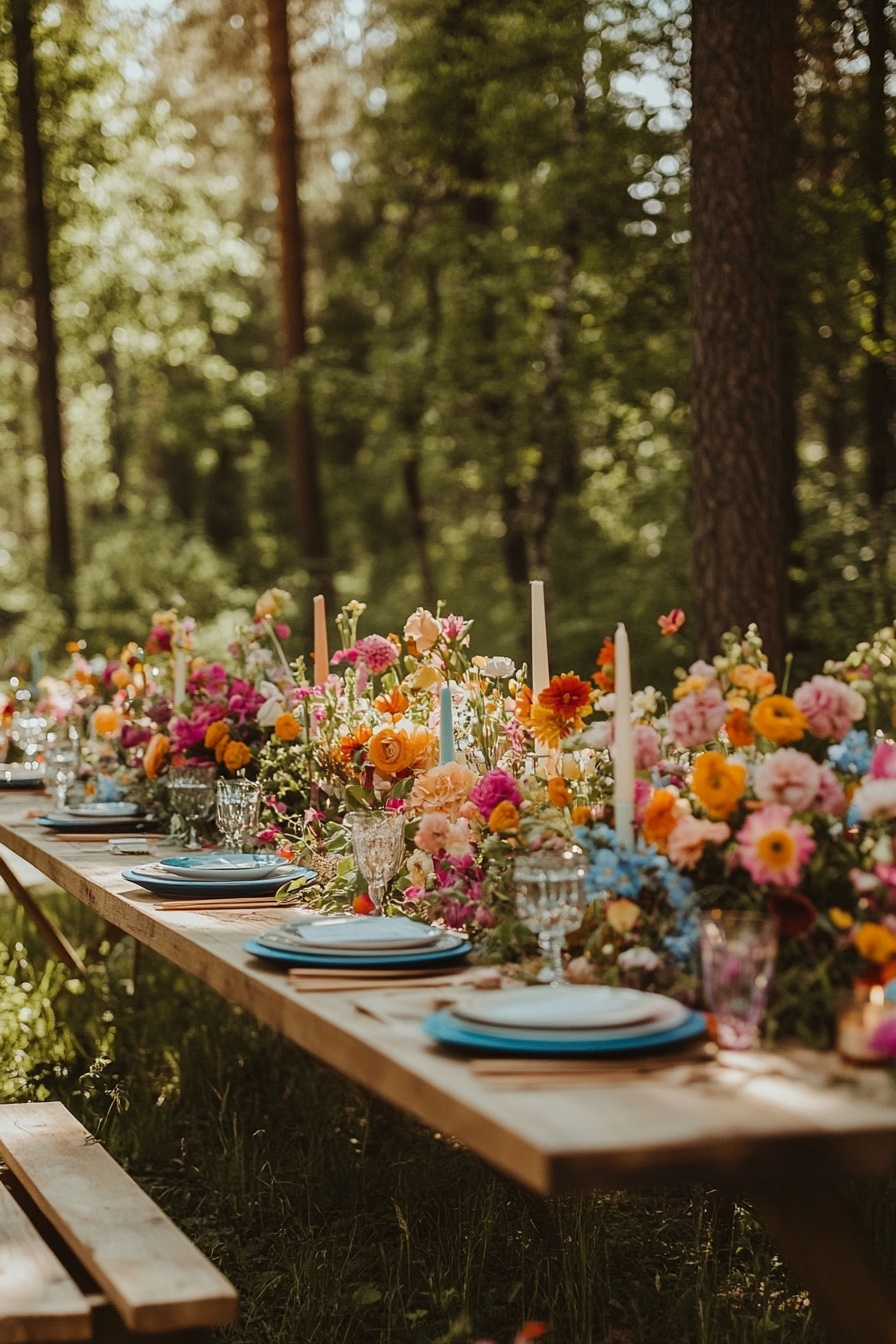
(378, 844)
(549, 890)
(62, 760)
(27, 732)
(192, 791)
(237, 805)
(737, 956)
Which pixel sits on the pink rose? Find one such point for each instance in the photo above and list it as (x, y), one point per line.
(830, 707)
(647, 746)
(696, 718)
(787, 776)
(422, 629)
(690, 836)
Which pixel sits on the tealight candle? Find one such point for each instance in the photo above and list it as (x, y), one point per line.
(446, 728)
(623, 748)
(321, 649)
(860, 1013)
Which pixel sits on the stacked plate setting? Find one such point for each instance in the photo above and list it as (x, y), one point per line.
(564, 1020)
(216, 872)
(360, 942)
(20, 775)
(98, 816)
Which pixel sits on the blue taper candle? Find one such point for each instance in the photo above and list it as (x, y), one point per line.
(446, 728)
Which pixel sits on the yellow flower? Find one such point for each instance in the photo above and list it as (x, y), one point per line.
(504, 817)
(840, 919)
(559, 792)
(215, 733)
(236, 756)
(719, 784)
(270, 604)
(106, 720)
(392, 750)
(876, 943)
(778, 719)
(660, 815)
(286, 728)
(756, 681)
(690, 685)
(551, 729)
(156, 755)
(622, 914)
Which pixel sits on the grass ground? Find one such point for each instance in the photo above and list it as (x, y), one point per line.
(342, 1221)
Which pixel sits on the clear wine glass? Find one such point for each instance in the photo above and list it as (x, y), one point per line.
(378, 843)
(192, 791)
(62, 761)
(549, 888)
(237, 806)
(27, 732)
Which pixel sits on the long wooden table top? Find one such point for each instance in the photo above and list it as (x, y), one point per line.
(742, 1121)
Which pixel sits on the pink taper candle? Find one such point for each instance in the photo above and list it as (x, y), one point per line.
(321, 649)
(623, 749)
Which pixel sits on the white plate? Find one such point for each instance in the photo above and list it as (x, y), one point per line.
(365, 933)
(103, 810)
(559, 1008)
(224, 867)
(665, 1015)
(283, 940)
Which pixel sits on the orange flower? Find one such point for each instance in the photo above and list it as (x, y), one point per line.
(737, 726)
(392, 702)
(156, 755)
(215, 733)
(236, 755)
(523, 704)
(120, 677)
(559, 792)
(719, 784)
(778, 719)
(351, 743)
(221, 747)
(605, 677)
(566, 696)
(876, 943)
(286, 728)
(581, 815)
(504, 817)
(106, 720)
(756, 681)
(622, 914)
(671, 624)
(660, 815)
(393, 750)
(551, 729)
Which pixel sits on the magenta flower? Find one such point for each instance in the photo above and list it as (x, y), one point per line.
(696, 719)
(774, 847)
(830, 707)
(883, 1038)
(378, 653)
(453, 627)
(495, 787)
(883, 761)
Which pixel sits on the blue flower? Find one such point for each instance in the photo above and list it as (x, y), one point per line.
(853, 754)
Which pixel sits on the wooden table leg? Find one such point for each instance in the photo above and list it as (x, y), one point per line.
(822, 1240)
(53, 937)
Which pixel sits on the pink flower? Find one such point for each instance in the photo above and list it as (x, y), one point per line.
(453, 627)
(883, 761)
(883, 1038)
(493, 788)
(830, 797)
(437, 833)
(190, 732)
(647, 746)
(378, 653)
(830, 707)
(345, 656)
(690, 836)
(774, 847)
(671, 624)
(643, 795)
(788, 776)
(875, 798)
(696, 718)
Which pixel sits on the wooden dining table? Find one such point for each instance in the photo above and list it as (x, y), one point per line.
(783, 1130)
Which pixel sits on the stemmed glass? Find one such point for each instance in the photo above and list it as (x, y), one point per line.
(62, 760)
(549, 888)
(237, 805)
(378, 843)
(737, 954)
(192, 790)
(27, 733)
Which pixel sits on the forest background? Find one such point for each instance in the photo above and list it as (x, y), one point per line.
(493, 371)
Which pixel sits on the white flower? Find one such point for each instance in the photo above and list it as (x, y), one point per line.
(598, 736)
(875, 798)
(638, 959)
(419, 868)
(498, 667)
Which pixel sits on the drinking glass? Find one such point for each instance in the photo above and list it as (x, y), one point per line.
(378, 843)
(192, 790)
(62, 761)
(549, 887)
(737, 953)
(237, 805)
(27, 733)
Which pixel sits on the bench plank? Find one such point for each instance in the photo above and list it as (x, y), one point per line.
(39, 1302)
(153, 1274)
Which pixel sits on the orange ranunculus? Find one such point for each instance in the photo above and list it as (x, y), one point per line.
(756, 681)
(286, 728)
(605, 677)
(737, 726)
(559, 792)
(622, 914)
(522, 707)
(660, 816)
(504, 817)
(389, 751)
(236, 756)
(106, 720)
(393, 702)
(566, 696)
(424, 747)
(875, 942)
(156, 755)
(215, 733)
(778, 719)
(718, 783)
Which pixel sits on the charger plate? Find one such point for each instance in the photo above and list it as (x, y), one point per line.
(447, 1029)
(398, 961)
(220, 866)
(15, 776)
(66, 824)
(104, 810)
(161, 885)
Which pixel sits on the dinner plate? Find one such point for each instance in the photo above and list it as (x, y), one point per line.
(16, 776)
(64, 822)
(563, 1007)
(285, 938)
(219, 866)
(668, 1014)
(451, 954)
(365, 933)
(160, 884)
(445, 1028)
(104, 810)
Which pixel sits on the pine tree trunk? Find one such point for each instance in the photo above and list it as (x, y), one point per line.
(738, 536)
(61, 565)
(298, 420)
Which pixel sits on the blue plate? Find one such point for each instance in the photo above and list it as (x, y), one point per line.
(194, 886)
(401, 961)
(445, 1028)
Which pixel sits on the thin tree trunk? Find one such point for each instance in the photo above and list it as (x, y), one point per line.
(61, 565)
(299, 426)
(739, 552)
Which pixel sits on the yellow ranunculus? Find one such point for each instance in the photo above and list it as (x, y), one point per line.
(875, 942)
(389, 751)
(718, 783)
(778, 719)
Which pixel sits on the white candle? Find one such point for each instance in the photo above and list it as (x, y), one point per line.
(321, 649)
(540, 667)
(180, 675)
(623, 750)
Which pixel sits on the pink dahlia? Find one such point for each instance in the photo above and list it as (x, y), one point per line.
(378, 653)
(697, 718)
(774, 847)
(495, 787)
(830, 707)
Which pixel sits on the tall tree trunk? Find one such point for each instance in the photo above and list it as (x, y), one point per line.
(739, 552)
(298, 421)
(783, 164)
(61, 565)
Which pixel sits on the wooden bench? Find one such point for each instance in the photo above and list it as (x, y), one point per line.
(84, 1252)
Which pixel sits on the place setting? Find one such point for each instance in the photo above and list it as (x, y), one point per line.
(223, 874)
(360, 943)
